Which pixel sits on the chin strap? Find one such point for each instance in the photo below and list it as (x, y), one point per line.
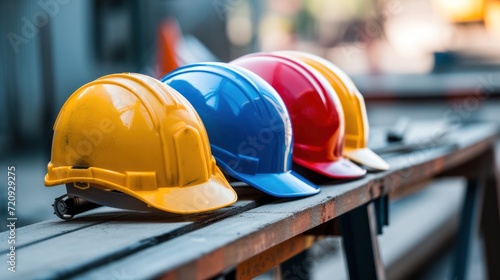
(108, 198)
(66, 207)
(78, 200)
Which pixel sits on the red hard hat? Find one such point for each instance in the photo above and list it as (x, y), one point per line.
(315, 111)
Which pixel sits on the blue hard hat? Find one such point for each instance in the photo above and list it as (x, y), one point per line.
(248, 125)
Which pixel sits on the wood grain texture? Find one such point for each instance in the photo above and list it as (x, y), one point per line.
(130, 245)
(250, 237)
(32, 234)
(273, 256)
(112, 234)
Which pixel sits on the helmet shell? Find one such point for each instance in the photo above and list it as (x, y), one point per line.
(130, 133)
(315, 110)
(357, 126)
(247, 122)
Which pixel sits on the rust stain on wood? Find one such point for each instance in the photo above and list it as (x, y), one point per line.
(273, 237)
(300, 223)
(328, 211)
(210, 265)
(171, 275)
(272, 257)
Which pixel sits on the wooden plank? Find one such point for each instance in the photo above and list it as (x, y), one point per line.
(38, 232)
(221, 245)
(417, 166)
(45, 230)
(236, 239)
(273, 256)
(148, 245)
(122, 234)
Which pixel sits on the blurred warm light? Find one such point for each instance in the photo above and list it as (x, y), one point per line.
(395, 36)
(351, 57)
(239, 30)
(276, 33)
(391, 61)
(492, 18)
(335, 11)
(354, 59)
(417, 36)
(285, 7)
(460, 10)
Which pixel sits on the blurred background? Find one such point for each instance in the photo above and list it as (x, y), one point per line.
(426, 60)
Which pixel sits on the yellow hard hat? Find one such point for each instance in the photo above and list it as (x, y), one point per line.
(356, 127)
(132, 134)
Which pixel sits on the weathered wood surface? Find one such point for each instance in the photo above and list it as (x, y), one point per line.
(278, 254)
(59, 249)
(113, 244)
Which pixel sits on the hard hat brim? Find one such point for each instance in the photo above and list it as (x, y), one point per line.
(214, 194)
(287, 184)
(339, 169)
(368, 158)
(211, 195)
